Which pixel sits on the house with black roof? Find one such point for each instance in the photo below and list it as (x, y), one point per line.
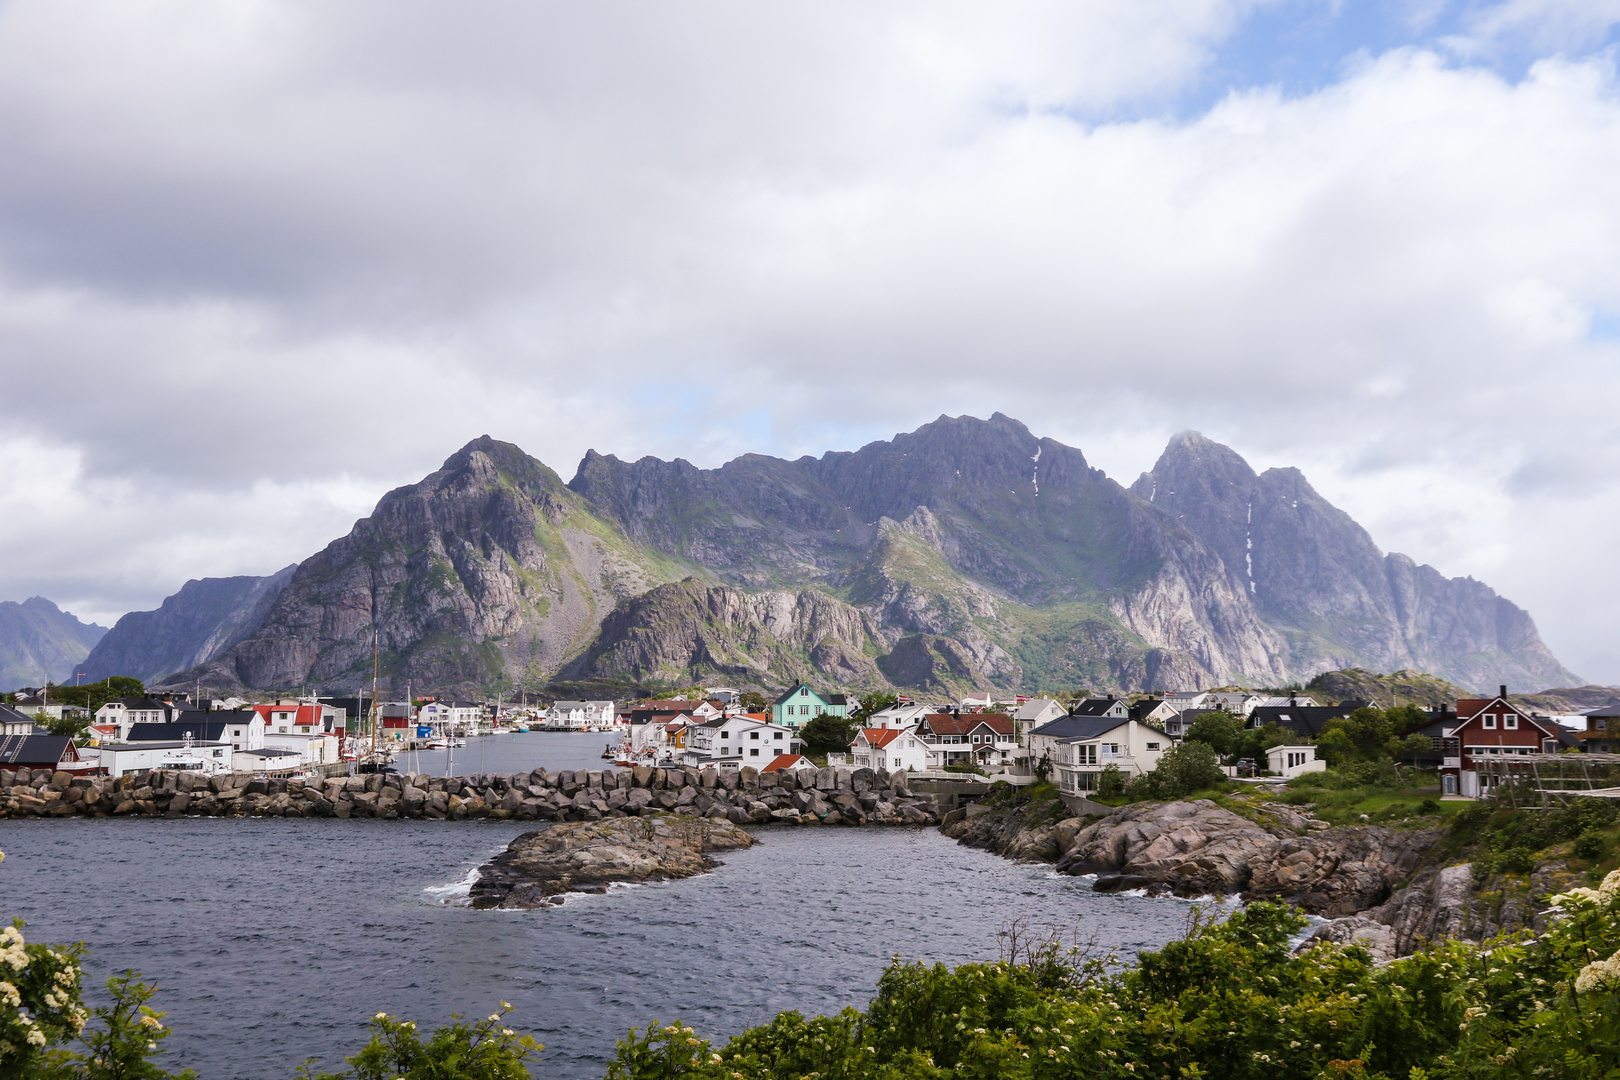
(1077, 749)
(41, 752)
(13, 722)
(240, 730)
(1304, 720)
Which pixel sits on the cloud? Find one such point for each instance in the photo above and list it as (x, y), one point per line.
(257, 260)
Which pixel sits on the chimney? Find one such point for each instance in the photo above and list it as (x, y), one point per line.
(1503, 688)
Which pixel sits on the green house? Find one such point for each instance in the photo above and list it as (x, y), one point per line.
(800, 705)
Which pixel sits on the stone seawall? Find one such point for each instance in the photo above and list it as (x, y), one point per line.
(742, 796)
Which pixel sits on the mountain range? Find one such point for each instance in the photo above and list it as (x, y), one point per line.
(41, 643)
(968, 554)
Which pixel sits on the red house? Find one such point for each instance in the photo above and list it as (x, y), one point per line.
(1492, 736)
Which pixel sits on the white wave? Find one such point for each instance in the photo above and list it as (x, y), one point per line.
(454, 894)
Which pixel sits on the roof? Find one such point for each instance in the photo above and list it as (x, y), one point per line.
(1032, 708)
(665, 705)
(140, 704)
(199, 730)
(1094, 706)
(8, 715)
(785, 761)
(793, 691)
(581, 704)
(267, 752)
(876, 736)
(1080, 727)
(30, 750)
(1305, 719)
(1604, 710)
(951, 724)
(836, 699)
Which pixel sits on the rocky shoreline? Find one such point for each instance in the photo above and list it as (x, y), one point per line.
(537, 868)
(1379, 887)
(741, 796)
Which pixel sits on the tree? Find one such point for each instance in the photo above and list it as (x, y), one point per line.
(1182, 770)
(876, 701)
(1253, 743)
(753, 701)
(828, 734)
(1111, 784)
(1219, 730)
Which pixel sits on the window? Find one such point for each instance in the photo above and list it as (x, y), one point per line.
(1510, 720)
(725, 734)
(777, 736)
(1490, 720)
(1152, 746)
(754, 735)
(1549, 746)
(753, 752)
(1088, 755)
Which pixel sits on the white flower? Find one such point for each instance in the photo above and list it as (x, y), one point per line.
(9, 994)
(1611, 885)
(1598, 974)
(152, 1022)
(36, 1037)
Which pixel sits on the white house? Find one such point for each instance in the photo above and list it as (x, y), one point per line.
(451, 717)
(206, 757)
(1078, 748)
(1032, 714)
(580, 714)
(35, 705)
(312, 748)
(737, 740)
(1291, 761)
(125, 713)
(899, 717)
(242, 730)
(888, 748)
(13, 722)
(790, 763)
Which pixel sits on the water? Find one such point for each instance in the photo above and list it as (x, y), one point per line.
(516, 752)
(274, 939)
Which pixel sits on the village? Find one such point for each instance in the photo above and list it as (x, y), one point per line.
(1081, 745)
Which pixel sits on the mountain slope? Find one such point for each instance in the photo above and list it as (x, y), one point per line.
(196, 624)
(1318, 579)
(966, 554)
(39, 642)
(489, 569)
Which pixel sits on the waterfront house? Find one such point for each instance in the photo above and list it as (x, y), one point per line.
(737, 739)
(799, 704)
(1078, 748)
(55, 752)
(967, 739)
(1494, 737)
(1291, 761)
(242, 730)
(580, 714)
(898, 750)
(119, 759)
(298, 718)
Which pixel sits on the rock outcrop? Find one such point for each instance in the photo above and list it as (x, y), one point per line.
(1200, 849)
(538, 867)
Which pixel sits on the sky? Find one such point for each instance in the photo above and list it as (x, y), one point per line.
(260, 262)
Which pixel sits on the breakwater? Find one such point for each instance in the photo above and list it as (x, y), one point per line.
(742, 796)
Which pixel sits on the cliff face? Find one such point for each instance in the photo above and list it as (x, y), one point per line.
(968, 554)
(489, 569)
(196, 624)
(1320, 582)
(39, 642)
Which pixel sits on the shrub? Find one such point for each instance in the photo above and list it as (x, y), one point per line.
(486, 1050)
(1591, 844)
(1111, 784)
(1182, 770)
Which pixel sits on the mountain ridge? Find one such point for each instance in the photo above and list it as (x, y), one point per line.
(969, 553)
(39, 642)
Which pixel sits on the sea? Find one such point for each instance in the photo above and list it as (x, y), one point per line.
(272, 940)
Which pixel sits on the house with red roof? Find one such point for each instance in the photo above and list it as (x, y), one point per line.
(1495, 741)
(898, 750)
(958, 738)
